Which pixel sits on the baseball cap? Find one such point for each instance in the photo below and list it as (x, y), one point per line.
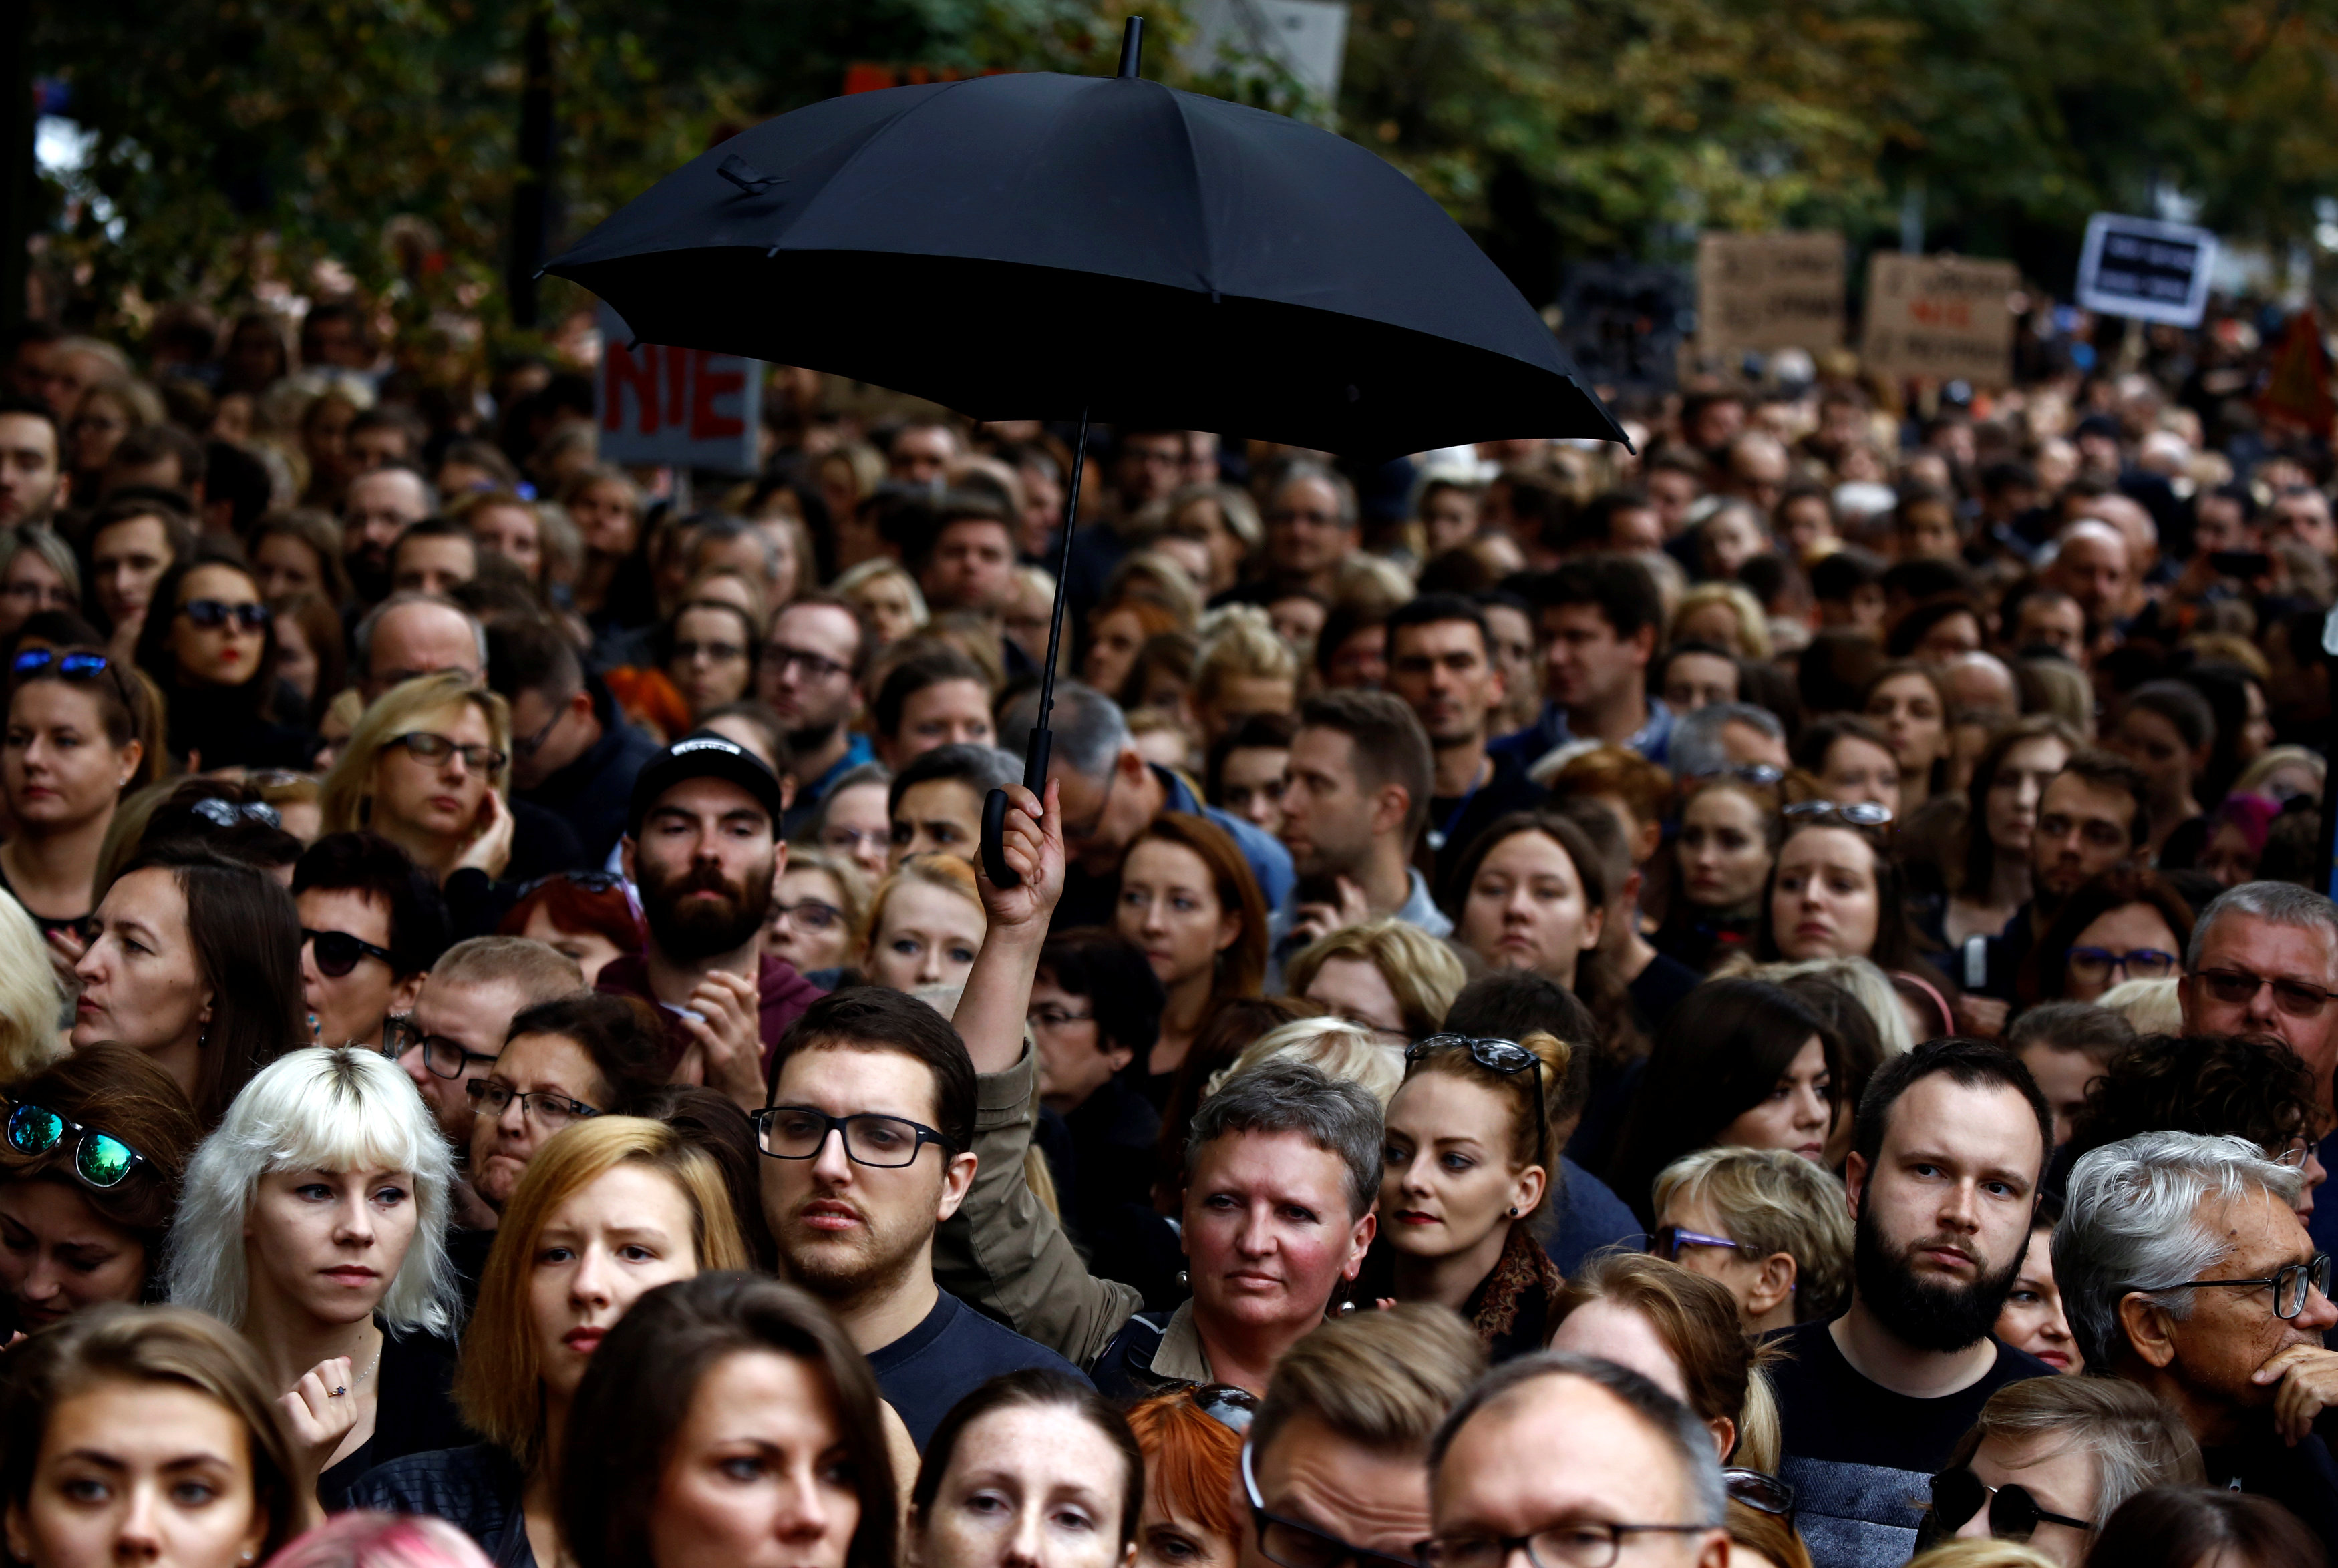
(702, 757)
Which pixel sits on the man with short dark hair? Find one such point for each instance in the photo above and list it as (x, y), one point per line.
(381, 436)
(372, 923)
(574, 751)
(867, 1147)
(1848, 586)
(970, 563)
(1145, 465)
(33, 482)
(702, 843)
(1599, 617)
(1947, 1153)
(935, 698)
(156, 457)
(1441, 663)
(935, 804)
(921, 451)
(376, 509)
(812, 675)
(2090, 818)
(1110, 793)
(436, 556)
(1354, 803)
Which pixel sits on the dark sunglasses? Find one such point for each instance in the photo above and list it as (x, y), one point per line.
(1231, 1407)
(1761, 1490)
(2238, 989)
(2013, 1512)
(1506, 1057)
(213, 613)
(337, 952)
(1858, 813)
(582, 881)
(100, 1158)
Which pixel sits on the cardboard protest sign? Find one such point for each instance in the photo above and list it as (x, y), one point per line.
(1762, 292)
(679, 407)
(2144, 269)
(1940, 318)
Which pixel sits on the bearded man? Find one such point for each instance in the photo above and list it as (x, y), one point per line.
(702, 842)
(1946, 1153)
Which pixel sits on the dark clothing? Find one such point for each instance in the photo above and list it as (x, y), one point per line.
(478, 1490)
(1090, 900)
(1658, 989)
(70, 923)
(782, 993)
(1860, 1457)
(468, 1250)
(946, 1357)
(224, 726)
(2323, 1224)
(543, 843)
(1103, 1154)
(591, 794)
(1456, 820)
(413, 1411)
(1591, 1217)
(2303, 1479)
(1124, 1373)
(1700, 940)
(2000, 956)
(811, 793)
(1514, 1308)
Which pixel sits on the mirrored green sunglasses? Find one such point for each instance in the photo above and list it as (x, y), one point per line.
(102, 1159)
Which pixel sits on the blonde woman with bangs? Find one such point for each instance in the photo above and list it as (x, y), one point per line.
(314, 1219)
(1772, 1227)
(610, 1209)
(1394, 979)
(925, 926)
(428, 768)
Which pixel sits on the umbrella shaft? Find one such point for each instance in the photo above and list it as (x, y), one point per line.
(1034, 761)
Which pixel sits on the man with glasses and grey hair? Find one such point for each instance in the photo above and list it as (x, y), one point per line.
(2184, 1270)
(2263, 960)
(1581, 1463)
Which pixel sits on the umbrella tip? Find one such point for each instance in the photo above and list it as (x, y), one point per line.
(1132, 47)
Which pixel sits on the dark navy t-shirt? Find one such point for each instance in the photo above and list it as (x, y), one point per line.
(954, 1351)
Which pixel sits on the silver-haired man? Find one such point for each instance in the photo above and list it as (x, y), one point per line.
(2184, 1269)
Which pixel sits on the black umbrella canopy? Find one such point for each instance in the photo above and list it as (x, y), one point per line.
(1043, 246)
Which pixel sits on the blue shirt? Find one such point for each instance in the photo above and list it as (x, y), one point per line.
(809, 794)
(1270, 862)
(953, 1352)
(1528, 746)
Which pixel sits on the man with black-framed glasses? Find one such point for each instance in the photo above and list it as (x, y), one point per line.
(2184, 1270)
(812, 675)
(2263, 960)
(867, 1147)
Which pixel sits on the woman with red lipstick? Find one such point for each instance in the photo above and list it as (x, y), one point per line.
(1741, 1063)
(209, 644)
(732, 1424)
(71, 752)
(90, 1166)
(1471, 1143)
(428, 768)
(611, 1207)
(315, 1221)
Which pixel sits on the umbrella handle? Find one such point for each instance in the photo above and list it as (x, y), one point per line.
(994, 811)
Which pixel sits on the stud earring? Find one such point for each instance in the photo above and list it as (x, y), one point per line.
(1514, 1211)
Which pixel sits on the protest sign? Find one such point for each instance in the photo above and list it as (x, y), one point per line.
(1940, 318)
(1762, 292)
(2142, 268)
(679, 407)
(1622, 322)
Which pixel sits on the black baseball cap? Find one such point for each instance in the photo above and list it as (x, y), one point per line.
(703, 756)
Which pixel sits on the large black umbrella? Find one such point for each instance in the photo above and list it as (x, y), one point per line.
(1041, 246)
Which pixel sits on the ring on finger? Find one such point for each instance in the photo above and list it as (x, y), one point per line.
(337, 1392)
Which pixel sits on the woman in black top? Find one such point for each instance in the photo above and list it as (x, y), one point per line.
(209, 644)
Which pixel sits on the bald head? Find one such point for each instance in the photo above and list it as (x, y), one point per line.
(411, 636)
(1981, 681)
(2094, 567)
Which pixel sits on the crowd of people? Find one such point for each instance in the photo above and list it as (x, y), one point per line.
(1759, 999)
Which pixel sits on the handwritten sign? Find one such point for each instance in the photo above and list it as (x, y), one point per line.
(1940, 318)
(2149, 271)
(1762, 292)
(679, 407)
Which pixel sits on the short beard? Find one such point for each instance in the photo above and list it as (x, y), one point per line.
(698, 929)
(1924, 1315)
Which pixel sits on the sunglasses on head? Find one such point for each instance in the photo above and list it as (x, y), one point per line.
(71, 664)
(1858, 813)
(337, 952)
(100, 1158)
(1231, 1407)
(1761, 1490)
(213, 613)
(2013, 1513)
(1506, 1057)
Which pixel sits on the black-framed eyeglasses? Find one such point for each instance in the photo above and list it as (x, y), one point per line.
(1760, 1491)
(778, 656)
(1506, 1057)
(100, 1158)
(716, 652)
(337, 952)
(529, 745)
(1763, 774)
(210, 614)
(2141, 963)
(1290, 1544)
(2292, 1284)
(546, 1110)
(2238, 989)
(1055, 1018)
(870, 1138)
(483, 761)
(582, 881)
(1858, 813)
(1231, 1407)
(1668, 1239)
(2013, 1513)
(1576, 1543)
(443, 1057)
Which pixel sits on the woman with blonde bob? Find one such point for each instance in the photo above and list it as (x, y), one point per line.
(1771, 1227)
(925, 924)
(1394, 979)
(428, 768)
(608, 1210)
(314, 1219)
(108, 1388)
(1726, 615)
(1332, 1047)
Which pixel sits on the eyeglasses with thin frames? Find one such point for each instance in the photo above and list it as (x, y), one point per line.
(2238, 989)
(546, 1110)
(1290, 1544)
(2292, 1285)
